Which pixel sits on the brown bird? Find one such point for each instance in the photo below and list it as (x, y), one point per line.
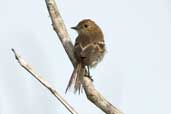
(89, 50)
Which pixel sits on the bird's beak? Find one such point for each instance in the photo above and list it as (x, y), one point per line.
(75, 28)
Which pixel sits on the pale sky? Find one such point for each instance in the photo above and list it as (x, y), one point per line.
(134, 76)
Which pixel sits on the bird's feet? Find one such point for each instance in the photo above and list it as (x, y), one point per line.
(90, 77)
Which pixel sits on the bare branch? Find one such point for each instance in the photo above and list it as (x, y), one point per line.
(95, 97)
(27, 67)
(60, 29)
(92, 94)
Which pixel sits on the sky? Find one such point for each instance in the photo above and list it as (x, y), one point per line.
(134, 75)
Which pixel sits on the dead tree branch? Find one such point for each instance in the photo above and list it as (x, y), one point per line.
(27, 67)
(92, 94)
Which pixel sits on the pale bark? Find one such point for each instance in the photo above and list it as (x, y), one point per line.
(92, 94)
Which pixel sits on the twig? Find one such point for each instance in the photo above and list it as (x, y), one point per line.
(27, 67)
(92, 94)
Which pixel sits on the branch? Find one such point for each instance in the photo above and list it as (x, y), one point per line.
(60, 29)
(92, 94)
(27, 67)
(95, 97)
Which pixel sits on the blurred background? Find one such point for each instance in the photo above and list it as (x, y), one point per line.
(134, 76)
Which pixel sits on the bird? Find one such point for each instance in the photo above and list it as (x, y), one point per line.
(89, 50)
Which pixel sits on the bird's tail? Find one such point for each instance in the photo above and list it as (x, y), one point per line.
(77, 78)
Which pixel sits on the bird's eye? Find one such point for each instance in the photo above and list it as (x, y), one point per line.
(85, 26)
